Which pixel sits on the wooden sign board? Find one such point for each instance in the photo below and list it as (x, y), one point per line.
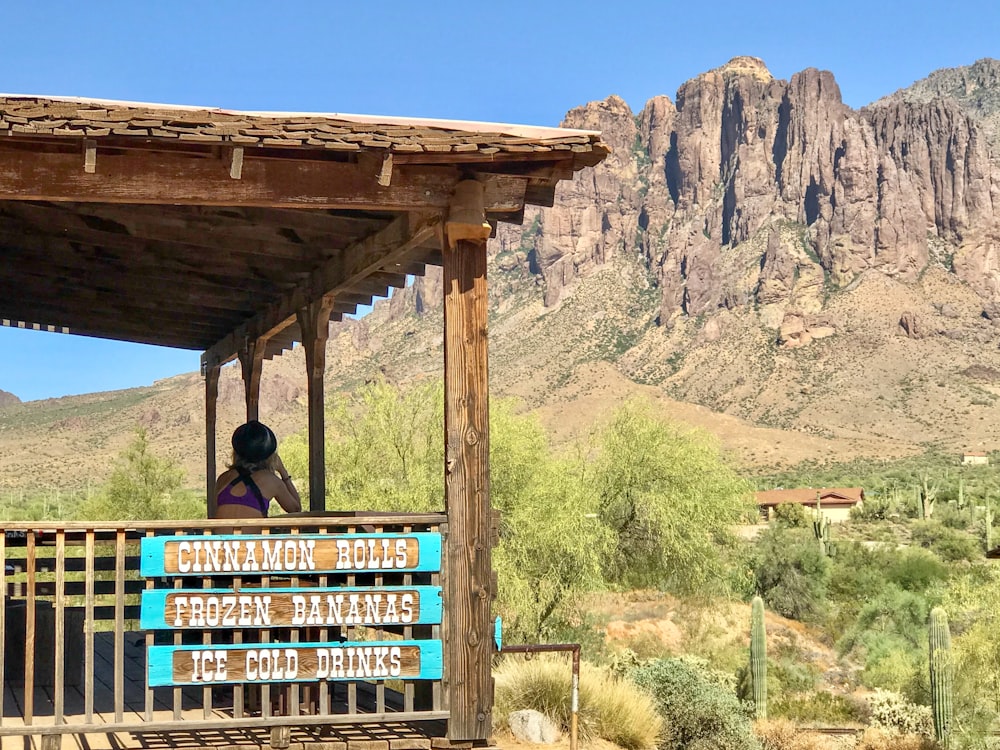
(293, 662)
(246, 554)
(198, 609)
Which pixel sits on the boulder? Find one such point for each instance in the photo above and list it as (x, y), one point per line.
(529, 725)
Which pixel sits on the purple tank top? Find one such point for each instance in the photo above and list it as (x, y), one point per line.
(252, 499)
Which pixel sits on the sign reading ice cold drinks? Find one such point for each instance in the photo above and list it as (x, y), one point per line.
(314, 607)
(294, 662)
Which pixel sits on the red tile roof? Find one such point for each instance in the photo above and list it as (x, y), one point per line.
(807, 496)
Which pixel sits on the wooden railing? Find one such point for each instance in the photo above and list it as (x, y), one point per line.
(74, 657)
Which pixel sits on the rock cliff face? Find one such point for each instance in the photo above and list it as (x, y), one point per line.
(756, 191)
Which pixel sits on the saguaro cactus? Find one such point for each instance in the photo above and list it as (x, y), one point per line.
(941, 674)
(988, 520)
(758, 658)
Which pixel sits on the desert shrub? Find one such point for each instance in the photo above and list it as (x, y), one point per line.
(782, 734)
(890, 636)
(790, 572)
(784, 676)
(857, 574)
(792, 515)
(820, 707)
(892, 712)
(876, 507)
(950, 545)
(950, 515)
(916, 569)
(794, 676)
(880, 739)
(611, 708)
(698, 713)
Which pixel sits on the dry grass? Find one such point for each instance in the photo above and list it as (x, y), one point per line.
(611, 709)
(878, 739)
(781, 734)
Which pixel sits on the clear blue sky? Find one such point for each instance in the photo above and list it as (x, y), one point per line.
(526, 62)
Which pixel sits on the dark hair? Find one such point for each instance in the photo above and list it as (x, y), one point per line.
(254, 442)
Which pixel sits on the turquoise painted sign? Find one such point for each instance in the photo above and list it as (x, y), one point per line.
(293, 662)
(290, 607)
(289, 554)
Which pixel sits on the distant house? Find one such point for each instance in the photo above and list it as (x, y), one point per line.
(835, 503)
(974, 458)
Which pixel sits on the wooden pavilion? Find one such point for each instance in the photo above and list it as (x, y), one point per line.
(238, 234)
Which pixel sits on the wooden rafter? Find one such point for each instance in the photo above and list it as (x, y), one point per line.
(349, 270)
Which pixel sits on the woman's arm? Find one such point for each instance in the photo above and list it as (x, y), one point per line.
(282, 489)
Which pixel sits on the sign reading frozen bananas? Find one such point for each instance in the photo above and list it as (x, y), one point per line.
(290, 607)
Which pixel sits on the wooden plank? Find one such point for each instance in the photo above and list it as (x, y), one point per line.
(60, 628)
(336, 520)
(154, 178)
(29, 634)
(119, 673)
(467, 492)
(88, 632)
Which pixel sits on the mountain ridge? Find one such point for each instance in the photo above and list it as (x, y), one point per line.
(803, 279)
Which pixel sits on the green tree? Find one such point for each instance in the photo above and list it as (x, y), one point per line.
(791, 573)
(384, 449)
(670, 501)
(142, 487)
(974, 598)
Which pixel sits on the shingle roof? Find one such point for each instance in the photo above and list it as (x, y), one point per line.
(98, 118)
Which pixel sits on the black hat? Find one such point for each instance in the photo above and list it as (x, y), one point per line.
(254, 441)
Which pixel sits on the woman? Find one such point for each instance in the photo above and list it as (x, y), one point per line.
(255, 477)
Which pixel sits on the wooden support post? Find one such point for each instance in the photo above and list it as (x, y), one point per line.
(281, 737)
(314, 322)
(211, 419)
(252, 362)
(468, 640)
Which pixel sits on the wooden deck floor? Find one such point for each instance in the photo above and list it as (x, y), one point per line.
(189, 706)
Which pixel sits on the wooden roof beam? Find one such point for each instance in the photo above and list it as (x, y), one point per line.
(155, 178)
(277, 232)
(76, 258)
(70, 225)
(343, 272)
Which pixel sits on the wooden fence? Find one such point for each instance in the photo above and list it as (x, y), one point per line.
(80, 633)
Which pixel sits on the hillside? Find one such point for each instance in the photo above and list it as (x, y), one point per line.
(799, 278)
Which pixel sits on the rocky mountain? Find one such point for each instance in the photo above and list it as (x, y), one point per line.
(804, 279)
(976, 88)
(783, 258)
(6, 399)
